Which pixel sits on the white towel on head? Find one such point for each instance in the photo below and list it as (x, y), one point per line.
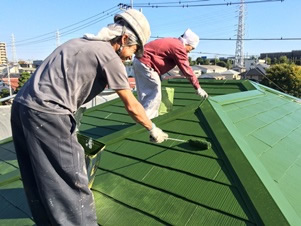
(106, 33)
(190, 38)
(111, 31)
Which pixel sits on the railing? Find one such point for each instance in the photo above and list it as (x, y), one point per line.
(7, 98)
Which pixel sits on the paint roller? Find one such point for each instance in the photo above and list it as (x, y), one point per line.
(198, 143)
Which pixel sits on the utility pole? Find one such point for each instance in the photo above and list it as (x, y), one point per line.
(9, 84)
(132, 3)
(239, 52)
(57, 36)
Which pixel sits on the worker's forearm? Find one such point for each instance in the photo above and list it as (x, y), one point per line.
(137, 112)
(134, 108)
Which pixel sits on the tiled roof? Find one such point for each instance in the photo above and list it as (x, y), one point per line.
(250, 175)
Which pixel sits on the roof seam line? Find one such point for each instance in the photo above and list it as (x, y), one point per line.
(176, 195)
(170, 168)
(173, 149)
(132, 207)
(16, 207)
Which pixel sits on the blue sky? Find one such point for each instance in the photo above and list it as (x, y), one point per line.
(35, 18)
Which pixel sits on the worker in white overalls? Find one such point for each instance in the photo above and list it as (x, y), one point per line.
(159, 57)
(51, 160)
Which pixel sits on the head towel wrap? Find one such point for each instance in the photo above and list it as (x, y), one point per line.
(190, 38)
(112, 31)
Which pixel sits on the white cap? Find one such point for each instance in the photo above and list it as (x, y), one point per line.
(190, 38)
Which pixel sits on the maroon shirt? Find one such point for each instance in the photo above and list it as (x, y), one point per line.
(164, 54)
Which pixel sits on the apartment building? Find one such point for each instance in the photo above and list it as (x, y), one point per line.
(3, 56)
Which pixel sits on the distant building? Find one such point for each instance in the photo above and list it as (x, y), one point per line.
(210, 69)
(255, 70)
(14, 82)
(251, 63)
(294, 55)
(231, 75)
(201, 71)
(3, 56)
(26, 66)
(37, 63)
(216, 76)
(197, 71)
(13, 70)
(3, 85)
(254, 74)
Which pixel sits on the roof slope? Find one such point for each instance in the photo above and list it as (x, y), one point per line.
(111, 116)
(173, 183)
(13, 206)
(266, 125)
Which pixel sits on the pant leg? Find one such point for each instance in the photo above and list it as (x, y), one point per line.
(29, 183)
(58, 164)
(148, 85)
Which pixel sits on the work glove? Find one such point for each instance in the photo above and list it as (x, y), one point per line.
(202, 93)
(157, 135)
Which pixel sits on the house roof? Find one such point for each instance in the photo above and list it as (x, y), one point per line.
(209, 67)
(253, 72)
(249, 176)
(230, 72)
(14, 82)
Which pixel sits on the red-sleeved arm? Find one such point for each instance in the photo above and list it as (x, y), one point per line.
(181, 59)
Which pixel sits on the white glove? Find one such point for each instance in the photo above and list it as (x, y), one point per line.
(202, 93)
(157, 135)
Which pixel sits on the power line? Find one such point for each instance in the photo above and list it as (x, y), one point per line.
(217, 54)
(251, 39)
(245, 39)
(50, 35)
(274, 84)
(179, 4)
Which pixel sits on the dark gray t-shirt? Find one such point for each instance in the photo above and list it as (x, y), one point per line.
(72, 75)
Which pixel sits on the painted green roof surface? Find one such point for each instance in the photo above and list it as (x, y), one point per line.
(266, 125)
(111, 116)
(250, 176)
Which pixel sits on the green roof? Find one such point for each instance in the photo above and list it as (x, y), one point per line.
(250, 176)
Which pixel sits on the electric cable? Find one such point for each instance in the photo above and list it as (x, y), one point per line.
(244, 39)
(38, 39)
(150, 5)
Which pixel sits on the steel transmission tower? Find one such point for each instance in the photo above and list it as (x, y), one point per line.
(13, 47)
(239, 52)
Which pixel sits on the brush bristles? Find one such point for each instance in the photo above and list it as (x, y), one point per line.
(202, 144)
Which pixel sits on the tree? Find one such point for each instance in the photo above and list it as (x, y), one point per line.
(275, 61)
(283, 60)
(285, 78)
(221, 64)
(206, 62)
(229, 64)
(199, 60)
(23, 78)
(268, 61)
(214, 61)
(4, 93)
(191, 62)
